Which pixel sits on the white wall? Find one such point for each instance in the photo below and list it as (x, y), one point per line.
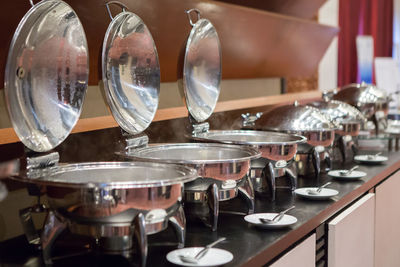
(327, 71)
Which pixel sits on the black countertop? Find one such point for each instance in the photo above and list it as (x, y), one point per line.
(249, 245)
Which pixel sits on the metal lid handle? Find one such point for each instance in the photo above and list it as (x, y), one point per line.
(107, 4)
(189, 16)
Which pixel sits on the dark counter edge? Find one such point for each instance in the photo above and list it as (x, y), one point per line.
(296, 235)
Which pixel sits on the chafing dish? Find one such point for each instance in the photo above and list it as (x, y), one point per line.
(305, 121)
(277, 153)
(222, 168)
(350, 120)
(115, 203)
(370, 100)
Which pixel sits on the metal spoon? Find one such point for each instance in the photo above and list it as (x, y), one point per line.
(318, 190)
(201, 253)
(371, 157)
(277, 218)
(348, 172)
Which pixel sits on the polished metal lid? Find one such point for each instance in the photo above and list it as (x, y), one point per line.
(194, 153)
(131, 71)
(46, 75)
(339, 111)
(115, 175)
(296, 118)
(202, 69)
(249, 137)
(357, 94)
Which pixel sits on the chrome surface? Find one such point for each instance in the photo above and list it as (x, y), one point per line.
(249, 119)
(114, 206)
(296, 118)
(202, 68)
(120, 228)
(196, 191)
(272, 145)
(195, 153)
(366, 97)
(113, 175)
(249, 137)
(131, 72)
(339, 111)
(216, 161)
(46, 75)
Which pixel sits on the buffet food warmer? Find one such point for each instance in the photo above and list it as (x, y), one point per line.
(305, 121)
(350, 121)
(223, 169)
(278, 151)
(115, 203)
(370, 100)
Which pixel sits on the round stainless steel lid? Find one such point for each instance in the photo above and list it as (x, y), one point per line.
(194, 153)
(116, 175)
(248, 137)
(202, 69)
(339, 111)
(131, 72)
(46, 75)
(356, 94)
(296, 118)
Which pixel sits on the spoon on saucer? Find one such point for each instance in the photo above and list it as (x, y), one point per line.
(277, 218)
(318, 190)
(372, 157)
(201, 253)
(348, 172)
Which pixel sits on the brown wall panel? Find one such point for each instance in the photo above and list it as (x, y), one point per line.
(306, 9)
(254, 43)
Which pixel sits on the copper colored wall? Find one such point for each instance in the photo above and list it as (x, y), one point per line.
(254, 43)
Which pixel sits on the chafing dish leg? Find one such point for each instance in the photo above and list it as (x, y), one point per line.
(342, 148)
(247, 191)
(354, 148)
(316, 161)
(139, 231)
(52, 228)
(269, 176)
(178, 221)
(213, 205)
(292, 177)
(328, 160)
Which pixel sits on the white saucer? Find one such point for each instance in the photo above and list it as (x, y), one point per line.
(254, 219)
(376, 160)
(214, 256)
(354, 175)
(325, 193)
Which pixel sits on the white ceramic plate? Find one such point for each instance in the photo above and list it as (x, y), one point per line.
(214, 256)
(254, 219)
(352, 176)
(325, 193)
(375, 160)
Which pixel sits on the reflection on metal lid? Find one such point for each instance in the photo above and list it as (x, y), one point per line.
(46, 75)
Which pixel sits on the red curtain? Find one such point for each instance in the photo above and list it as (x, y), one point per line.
(363, 17)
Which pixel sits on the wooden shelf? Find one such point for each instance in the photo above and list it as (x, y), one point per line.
(307, 9)
(8, 135)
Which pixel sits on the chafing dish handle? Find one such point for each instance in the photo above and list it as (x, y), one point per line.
(316, 161)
